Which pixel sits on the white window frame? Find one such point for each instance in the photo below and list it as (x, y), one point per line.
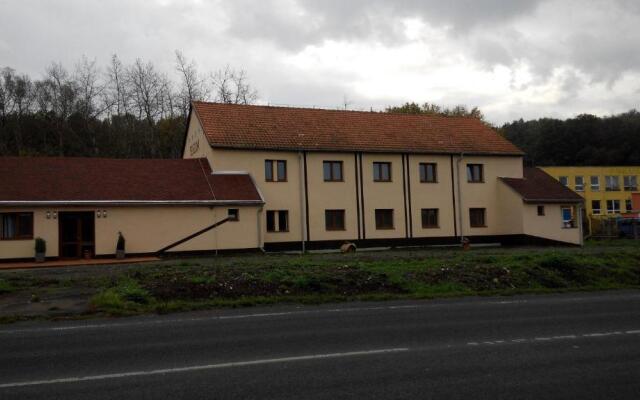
(579, 186)
(613, 210)
(565, 179)
(612, 179)
(595, 187)
(630, 183)
(596, 211)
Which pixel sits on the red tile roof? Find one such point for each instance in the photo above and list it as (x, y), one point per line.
(44, 179)
(538, 186)
(284, 128)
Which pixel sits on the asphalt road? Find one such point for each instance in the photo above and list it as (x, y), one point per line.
(577, 345)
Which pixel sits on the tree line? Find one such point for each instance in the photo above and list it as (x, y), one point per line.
(118, 110)
(583, 140)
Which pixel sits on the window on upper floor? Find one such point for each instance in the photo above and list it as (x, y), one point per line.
(428, 172)
(612, 183)
(381, 171)
(16, 226)
(475, 173)
(564, 180)
(595, 183)
(579, 183)
(280, 173)
(630, 183)
(332, 171)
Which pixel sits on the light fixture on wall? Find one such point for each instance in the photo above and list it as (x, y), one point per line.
(48, 214)
(104, 213)
(55, 215)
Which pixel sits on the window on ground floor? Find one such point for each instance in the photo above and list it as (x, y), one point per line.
(477, 217)
(595, 207)
(16, 226)
(541, 211)
(334, 220)
(628, 205)
(567, 217)
(233, 214)
(384, 219)
(430, 218)
(277, 221)
(613, 206)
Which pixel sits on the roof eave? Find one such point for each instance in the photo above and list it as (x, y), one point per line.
(15, 203)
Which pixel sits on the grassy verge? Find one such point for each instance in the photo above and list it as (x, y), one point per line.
(243, 281)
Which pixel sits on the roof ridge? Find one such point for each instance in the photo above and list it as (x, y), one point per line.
(337, 110)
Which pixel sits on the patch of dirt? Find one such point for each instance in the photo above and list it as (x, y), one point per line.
(479, 278)
(342, 280)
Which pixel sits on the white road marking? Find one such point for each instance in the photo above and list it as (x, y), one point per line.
(201, 367)
(558, 337)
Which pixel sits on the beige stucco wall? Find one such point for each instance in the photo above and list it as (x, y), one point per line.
(548, 226)
(379, 195)
(146, 229)
(432, 195)
(485, 195)
(510, 208)
(277, 195)
(196, 144)
(332, 195)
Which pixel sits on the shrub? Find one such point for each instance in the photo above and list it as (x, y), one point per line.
(41, 245)
(121, 242)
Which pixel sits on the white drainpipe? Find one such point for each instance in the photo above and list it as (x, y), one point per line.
(460, 197)
(303, 209)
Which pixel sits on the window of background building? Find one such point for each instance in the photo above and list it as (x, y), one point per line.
(630, 183)
(595, 207)
(477, 217)
(579, 181)
(628, 205)
(428, 172)
(563, 180)
(612, 183)
(384, 219)
(332, 171)
(382, 171)
(613, 206)
(430, 218)
(595, 183)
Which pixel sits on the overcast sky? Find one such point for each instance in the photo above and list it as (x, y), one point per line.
(512, 58)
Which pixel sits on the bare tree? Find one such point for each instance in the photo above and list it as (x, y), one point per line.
(117, 93)
(193, 87)
(89, 87)
(232, 87)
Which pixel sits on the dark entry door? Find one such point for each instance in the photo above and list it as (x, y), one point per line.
(76, 233)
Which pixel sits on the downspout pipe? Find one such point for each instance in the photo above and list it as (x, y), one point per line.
(459, 186)
(260, 235)
(303, 210)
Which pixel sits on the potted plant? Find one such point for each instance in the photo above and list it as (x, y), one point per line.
(120, 246)
(41, 249)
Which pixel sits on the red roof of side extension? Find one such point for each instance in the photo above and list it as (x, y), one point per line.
(538, 186)
(285, 128)
(27, 180)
